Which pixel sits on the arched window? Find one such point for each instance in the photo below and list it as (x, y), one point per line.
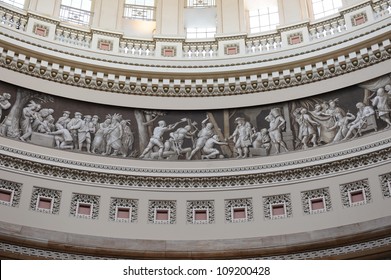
(323, 8)
(16, 3)
(140, 9)
(263, 15)
(76, 11)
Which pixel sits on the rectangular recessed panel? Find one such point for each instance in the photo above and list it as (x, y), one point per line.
(239, 213)
(357, 196)
(317, 204)
(123, 213)
(278, 210)
(200, 215)
(44, 203)
(5, 195)
(84, 209)
(162, 215)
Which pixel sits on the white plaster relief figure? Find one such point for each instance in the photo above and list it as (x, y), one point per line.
(307, 128)
(127, 138)
(364, 111)
(276, 125)
(114, 136)
(209, 152)
(342, 125)
(4, 102)
(41, 116)
(64, 120)
(333, 109)
(73, 127)
(94, 126)
(83, 134)
(262, 140)
(383, 108)
(157, 137)
(99, 142)
(204, 134)
(387, 88)
(175, 142)
(47, 125)
(326, 128)
(29, 114)
(62, 137)
(242, 137)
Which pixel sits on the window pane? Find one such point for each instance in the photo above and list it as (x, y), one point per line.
(254, 21)
(318, 8)
(86, 5)
(274, 19)
(264, 20)
(66, 2)
(253, 13)
(328, 5)
(273, 9)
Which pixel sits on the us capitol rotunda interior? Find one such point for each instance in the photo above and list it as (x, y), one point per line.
(195, 129)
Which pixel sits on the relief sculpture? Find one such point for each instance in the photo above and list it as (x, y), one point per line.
(257, 131)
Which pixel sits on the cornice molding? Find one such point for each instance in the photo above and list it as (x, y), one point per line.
(281, 173)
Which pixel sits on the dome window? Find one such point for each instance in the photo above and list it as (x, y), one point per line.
(263, 16)
(76, 11)
(15, 3)
(140, 9)
(324, 8)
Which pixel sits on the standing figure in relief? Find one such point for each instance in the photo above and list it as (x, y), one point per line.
(242, 137)
(326, 121)
(127, 138)
(73, 126)
(114, 136)
(204, 134)
(307, 127)
(209, 150)
(94, 126)
(262, 140)
(276, 125)
(64, 120)
(157, 138)
(342, 125)
(63, 137)
(4, 102)
(83, 134)
(99, 142)
(29, 114)
(383, 109)
(364, 111)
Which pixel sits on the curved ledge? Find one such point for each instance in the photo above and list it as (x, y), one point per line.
(343, 242)
(247, 173)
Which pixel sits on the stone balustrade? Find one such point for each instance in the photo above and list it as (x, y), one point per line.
(285, 37)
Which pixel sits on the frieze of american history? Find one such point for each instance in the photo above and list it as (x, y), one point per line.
(83, 127)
